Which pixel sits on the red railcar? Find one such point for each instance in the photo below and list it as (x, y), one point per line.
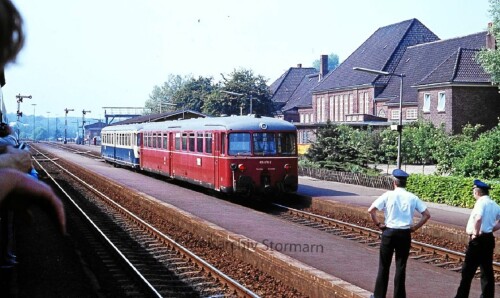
(237, 154)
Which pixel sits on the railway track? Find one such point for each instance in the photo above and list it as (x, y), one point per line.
(145, 261)
(81, 150)
(423, 252)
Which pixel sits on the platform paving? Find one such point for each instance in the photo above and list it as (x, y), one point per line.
(345, 259)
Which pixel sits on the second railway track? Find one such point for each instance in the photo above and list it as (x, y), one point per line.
(423, 252)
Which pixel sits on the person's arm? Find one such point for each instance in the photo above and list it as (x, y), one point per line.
(373, 214)
(497, 226)
(425, 217)
(478, 220)
(13, 158)
(19, 191)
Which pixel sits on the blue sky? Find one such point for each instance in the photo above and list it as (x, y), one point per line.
(94, 53)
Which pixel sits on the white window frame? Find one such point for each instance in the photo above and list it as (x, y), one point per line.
(395, 114)
(367, 103)
(427, 103)
(411, 114)
(441, 101)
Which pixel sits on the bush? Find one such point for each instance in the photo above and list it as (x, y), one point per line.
(453, 191)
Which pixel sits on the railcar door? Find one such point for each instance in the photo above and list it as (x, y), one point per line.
(170, 149)
(216, 152)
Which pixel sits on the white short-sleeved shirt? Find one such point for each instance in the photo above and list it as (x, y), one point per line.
(489, 212)
(398, 206)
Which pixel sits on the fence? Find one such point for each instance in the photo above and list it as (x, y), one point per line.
(383, 182)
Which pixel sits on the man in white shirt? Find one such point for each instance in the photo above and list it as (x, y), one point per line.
(399, 206)
(483, 221)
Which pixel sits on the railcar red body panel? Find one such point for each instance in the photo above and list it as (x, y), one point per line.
(242, 154)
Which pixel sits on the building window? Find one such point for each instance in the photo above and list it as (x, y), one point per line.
(351, 103)
(360, 104)
(306, 118)
(323, 110)
(301, 118)
(319, 108)
(441, 101)
(346, 107)
(367, 103)
(411, 114)
(337, 109)
(427, 103)
(331, 108)
(395, 114)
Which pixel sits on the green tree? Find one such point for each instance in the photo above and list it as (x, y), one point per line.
(333, 62)
(193, 94)
(490, 58)
(482, 159)
(450, 150)
(160, 98)
(254, 91)
(341, 148)
(419, 142)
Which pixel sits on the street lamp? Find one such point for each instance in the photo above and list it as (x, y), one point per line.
(400, 126)
(240, 94)
(34, 105)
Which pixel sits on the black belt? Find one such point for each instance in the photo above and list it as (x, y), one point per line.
(481, 235)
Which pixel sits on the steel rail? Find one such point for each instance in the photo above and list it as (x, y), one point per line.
(420, 246)
(232, 284)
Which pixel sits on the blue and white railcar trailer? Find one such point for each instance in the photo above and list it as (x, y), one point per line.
(120, 144)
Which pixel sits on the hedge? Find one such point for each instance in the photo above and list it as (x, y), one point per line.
(449, 190)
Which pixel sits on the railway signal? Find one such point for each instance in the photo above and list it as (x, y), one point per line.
(66, 123)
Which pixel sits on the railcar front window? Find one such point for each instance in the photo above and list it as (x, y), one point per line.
(287, 143)
(239, 143)
(264, 143)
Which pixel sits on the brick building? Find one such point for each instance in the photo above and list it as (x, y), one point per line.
(442, 83)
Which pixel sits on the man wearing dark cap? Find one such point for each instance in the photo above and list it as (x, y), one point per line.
(399, 206)
(483, 221)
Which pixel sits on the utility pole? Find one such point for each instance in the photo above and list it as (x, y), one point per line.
(20, 98)
(83, 125)
(66, 123)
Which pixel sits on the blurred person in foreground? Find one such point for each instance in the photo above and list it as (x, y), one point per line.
(483, 221)
(398, 205)
(17, 189)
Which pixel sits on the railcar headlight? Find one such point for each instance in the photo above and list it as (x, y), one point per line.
(242, 167)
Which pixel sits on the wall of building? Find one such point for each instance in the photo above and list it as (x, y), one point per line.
(475, 105)
(463, 104)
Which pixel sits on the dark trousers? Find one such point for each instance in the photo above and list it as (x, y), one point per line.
(399, 241)
(479, 253)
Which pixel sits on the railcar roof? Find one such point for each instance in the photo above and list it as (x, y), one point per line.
(249, 122)
(124, 127)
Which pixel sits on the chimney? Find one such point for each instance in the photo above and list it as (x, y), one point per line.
(323, 66)
(299, 65)
(491, 43)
